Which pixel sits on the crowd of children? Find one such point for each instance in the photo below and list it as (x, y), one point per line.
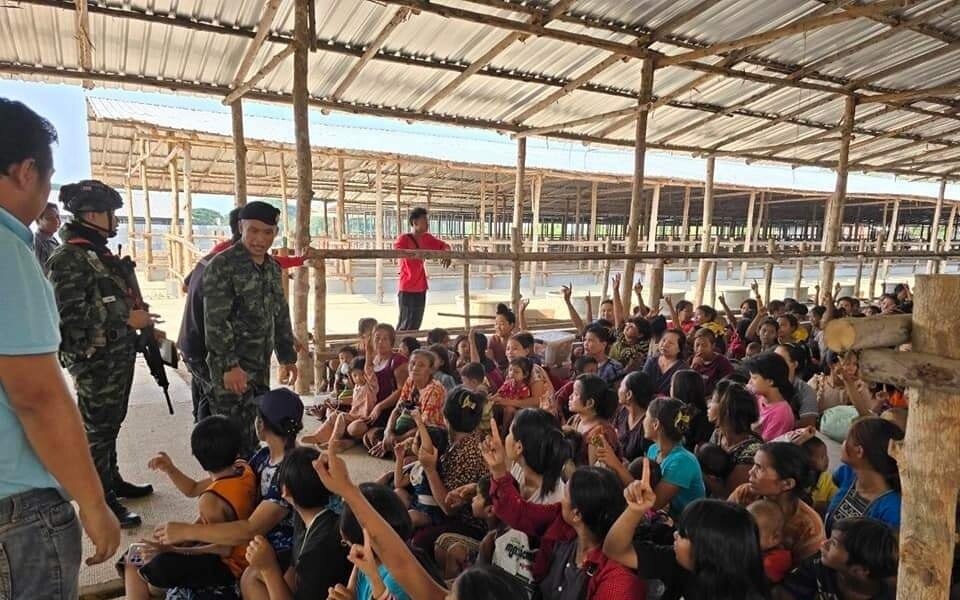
(682, 458)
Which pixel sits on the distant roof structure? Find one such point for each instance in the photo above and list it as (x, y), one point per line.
(762, 81)
(115, 126)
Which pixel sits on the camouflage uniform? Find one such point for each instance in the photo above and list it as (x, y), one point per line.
(246, 319)
(98, 348)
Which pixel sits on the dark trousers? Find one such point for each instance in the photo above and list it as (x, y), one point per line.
(201, 389)
(411, 310)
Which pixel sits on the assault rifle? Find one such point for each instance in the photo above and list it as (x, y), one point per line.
(156, 356)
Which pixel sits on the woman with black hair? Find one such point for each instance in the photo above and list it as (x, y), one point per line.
(479, 354)
(504, 326)
(804, 397)
(770, 380)
(596, 343)
(681, 482)
(687, 387)
(783, 474)
(570, 562)
(868, 480)
(715, 555)
(444, 372)
(634, 394)
(593, 405)
(733, 410)
(660, 368)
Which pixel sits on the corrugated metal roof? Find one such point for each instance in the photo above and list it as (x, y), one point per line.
(197, 45)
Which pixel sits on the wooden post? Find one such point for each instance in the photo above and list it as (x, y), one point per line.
(713, 274)
(705, 232)
(175, 247)
(147, 220)
(748, 236)
(535, 247)
(495, 230)
(798, 275)
(935, 227)
(651, 240)
(592, 233)
(768, 272)
(891, 236)
(606, 271)
(951, 225)
(378, 230)
(636, 188)
(655, 284)
(187, 195)
(516, 246)
(400, 218)
(929, 483)
(874, 271)
(131, 223)
(833, 221)
(239, 154)
(301, 124)
(576, 219)
(319, 322)
(481, 234)
(857, 286)
(466, 286)
(284, 203)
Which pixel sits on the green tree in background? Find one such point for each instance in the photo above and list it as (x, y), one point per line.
(206, 216)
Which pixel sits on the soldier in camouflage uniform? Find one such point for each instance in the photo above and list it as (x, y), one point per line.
(246, 319)
(98, 326)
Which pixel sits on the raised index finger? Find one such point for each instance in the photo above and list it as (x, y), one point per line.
(645, 476)
(494, 430)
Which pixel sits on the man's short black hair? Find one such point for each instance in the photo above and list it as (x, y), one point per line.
(215, 443)
(27, 135)
(300, 479)
(871, 544)
(417, 213)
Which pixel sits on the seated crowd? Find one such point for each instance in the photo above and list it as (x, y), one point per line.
(669, 458)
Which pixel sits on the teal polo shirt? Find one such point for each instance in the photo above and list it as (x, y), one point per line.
(29, 324)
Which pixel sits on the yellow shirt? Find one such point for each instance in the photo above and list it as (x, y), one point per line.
(824, 490)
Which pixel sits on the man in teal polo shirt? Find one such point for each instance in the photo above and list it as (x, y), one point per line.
(44, 457)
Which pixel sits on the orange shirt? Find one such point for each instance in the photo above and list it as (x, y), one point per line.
(803, 533)
(239, 491)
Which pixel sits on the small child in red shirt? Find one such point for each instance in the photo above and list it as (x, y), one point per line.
(777, 560)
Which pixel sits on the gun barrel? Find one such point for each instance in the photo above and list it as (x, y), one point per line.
(166, 395)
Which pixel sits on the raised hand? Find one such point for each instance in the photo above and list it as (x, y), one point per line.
(638, 287)
(493, 452)
(566, 291)
(160, 462)
(755, 287)
(617, 277)
(639, 495)
(333, 471)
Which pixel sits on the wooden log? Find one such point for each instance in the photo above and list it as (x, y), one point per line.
(891, 236)
(515, 278)
(519, 187)
(798, 276)
(239, 154)
(930, 483)
(910, 369)
(187, 195)
(592, 232)
(301, 124)
(606, 271)
(636, 187)
(833, 216)
(131, 221)
(284, 203)
(466, 286)
(858, 280)
(874, 271)
(705, 230)
(713, 274)
(748, 236)
(378, 231)
(768, 272)
(932, 266)
(319, 323)
(400, 219)
(174, 248)
(147, 217)
(535, 247)
(856, 333)
(481, 233)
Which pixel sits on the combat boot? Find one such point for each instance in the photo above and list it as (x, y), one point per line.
(128, 519)
(125, 489)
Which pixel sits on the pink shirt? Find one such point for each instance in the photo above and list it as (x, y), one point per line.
(365, 396)
(776, 419)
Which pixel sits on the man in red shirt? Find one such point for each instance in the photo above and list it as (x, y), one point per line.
(412, 295)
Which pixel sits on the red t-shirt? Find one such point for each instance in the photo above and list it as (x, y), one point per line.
(285, 262)
(413, 278)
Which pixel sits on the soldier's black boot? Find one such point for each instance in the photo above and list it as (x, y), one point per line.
(128, 519)
(125, 489)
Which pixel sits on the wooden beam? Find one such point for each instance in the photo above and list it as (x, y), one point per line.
(574, 84)
(263, 30)
(401, 15)
(748, 237)
(84, 46)
(834, 212)
(934, 240)
(187, 195)
(519, 188)
(268, 68)
(802, 26)
(239, 154)
(301, 125)
(705, 231)
(913, 95)
(636, 188)
(378, 231)
(284, 202)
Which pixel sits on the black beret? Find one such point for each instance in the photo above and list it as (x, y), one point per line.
(260, 211)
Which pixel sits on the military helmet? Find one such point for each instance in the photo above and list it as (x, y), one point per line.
(89, 195)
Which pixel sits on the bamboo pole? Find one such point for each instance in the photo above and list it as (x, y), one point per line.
(301, 123)
(932, 265)
(239, 154)
(706, 227)
(891, 236)
(174, 246)
(319, 322)
(187, 195)
(378, 231)
(768, 272)
(929, 483)
(798, 275)
(874, 271)
(535, 247)
(466, 286)
(833, 221)
(748, 236)
(284, 202)
(606, 271)
(592, 233)
(713, 274)
(399, 208)
(515, 278)
(147, 220)
(651, 238)
(495, 229)
(131, 222)
(516, 231)
(483, 208)
(857, 286)
(636, 188)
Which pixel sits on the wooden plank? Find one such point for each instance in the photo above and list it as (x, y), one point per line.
(399, 17)
(268, 68)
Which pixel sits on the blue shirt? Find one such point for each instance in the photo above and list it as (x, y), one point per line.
(29, 324)
(848, 503)
(281, 536)
(680, 468)
(365, 590)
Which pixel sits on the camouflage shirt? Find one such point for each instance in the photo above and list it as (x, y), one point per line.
(245, 314)
(91, 296)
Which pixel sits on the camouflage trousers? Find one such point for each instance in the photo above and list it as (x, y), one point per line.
(103, 393)
(240, 408)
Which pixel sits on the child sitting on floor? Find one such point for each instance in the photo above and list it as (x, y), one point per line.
(515, 392)
(365, 388)
(825, 488)
(230, 495)
(777, 560)
(410, 480)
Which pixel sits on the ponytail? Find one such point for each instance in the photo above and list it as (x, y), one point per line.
(675, 417)
(874, 434)
(545, 450)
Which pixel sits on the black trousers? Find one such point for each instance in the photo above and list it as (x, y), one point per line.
(411, 310)
(200, 389)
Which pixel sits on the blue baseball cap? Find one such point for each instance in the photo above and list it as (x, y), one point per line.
(279, 404)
